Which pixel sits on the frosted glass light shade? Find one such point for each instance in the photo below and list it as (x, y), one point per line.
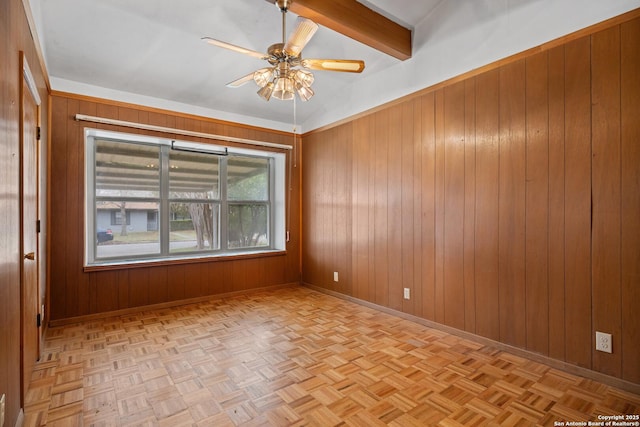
(283, 89)
(305, 93)
(263, 76)
(266, 91)
(305, 78)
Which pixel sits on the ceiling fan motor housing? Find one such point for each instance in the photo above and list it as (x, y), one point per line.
(278, 55)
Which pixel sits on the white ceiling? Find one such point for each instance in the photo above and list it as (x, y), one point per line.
(150, 52)
(153, 48)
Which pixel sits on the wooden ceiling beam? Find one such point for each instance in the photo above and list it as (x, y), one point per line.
(355, 20)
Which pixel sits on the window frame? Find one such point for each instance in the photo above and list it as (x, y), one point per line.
(276, 231)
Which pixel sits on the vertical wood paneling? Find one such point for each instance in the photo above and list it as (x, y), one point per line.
(606, 236)
(428, 214)
(487, 184)
(275, 268)
(328, 222)
(394, 208)
(470, 205)
(578, 318)
(254, 269)
(326, 219)
(360, 219)
(381, 225)
(175, 276)
(537, 204)
(58, 221)
(106, 290)
(325, 212)
(453, 212)
(371, 207)
(158, 119)
(417, 290)
(310, 207)
(193, 281)
(158, 285)
(123, 290)
(498, 198)
(407, 211)
(511, 230)
(215, 278)
(341, 255)
(439, 205)
(630, 196)
(139, 287)
(73, 212)
(10, 315)
(238, 278)
(556, 204)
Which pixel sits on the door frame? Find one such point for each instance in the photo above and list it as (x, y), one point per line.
(28, 80)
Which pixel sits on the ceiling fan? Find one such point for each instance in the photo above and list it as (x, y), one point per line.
(283, 78)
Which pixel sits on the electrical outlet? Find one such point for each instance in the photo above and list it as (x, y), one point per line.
(603, 342)
(2, 400)
(335, 276)
(407, 293)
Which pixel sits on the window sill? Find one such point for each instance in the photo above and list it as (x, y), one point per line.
(122, 265)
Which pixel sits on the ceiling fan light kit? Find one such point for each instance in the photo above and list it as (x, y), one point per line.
(283, 79)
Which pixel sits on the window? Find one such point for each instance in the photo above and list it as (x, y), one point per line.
(116, 217)
(156, 199)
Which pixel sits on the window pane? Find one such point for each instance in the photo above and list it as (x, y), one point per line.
(127, 170)
(248, 225)
(137, 236)
(247, 178)
(149, 201)
(194, 227)
(193, 176)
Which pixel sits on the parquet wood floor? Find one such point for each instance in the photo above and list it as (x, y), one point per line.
(295, 357)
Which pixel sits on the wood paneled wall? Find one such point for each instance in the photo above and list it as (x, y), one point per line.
(74, 292)
(15, 36)
(508, 202)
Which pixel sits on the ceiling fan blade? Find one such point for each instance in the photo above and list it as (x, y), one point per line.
(344, 65)
(235, 48)
(241, 81)
(305, 29)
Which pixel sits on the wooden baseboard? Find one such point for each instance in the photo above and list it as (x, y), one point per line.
(545, 360)
(160, 306)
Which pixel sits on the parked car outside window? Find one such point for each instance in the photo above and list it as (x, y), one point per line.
(104, 235)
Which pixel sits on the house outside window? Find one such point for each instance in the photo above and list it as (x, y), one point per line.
(179, 203)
